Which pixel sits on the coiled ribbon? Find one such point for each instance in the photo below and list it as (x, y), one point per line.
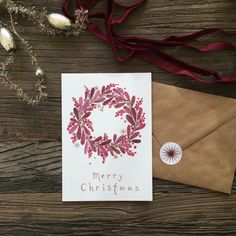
(149, 50)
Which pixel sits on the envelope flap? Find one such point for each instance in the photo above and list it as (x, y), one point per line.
(209, 163)
(185, 116)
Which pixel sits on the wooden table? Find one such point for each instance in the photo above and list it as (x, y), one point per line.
(30, 147)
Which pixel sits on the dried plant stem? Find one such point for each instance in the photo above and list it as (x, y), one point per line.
(7, 80)
(41, 19)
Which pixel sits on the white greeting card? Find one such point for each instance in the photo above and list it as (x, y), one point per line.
(106, 137)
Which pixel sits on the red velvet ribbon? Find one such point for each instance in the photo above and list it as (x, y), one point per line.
(150, 50)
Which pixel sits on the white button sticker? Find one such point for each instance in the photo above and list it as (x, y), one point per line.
(171, 153)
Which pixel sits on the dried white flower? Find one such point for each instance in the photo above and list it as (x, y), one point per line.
(59, 21)
(6, 39)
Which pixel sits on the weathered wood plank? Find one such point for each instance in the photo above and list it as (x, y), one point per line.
(21, 122)
(118, 227)
(171, 213)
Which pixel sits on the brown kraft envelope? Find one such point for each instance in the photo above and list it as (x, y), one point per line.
(204, 126)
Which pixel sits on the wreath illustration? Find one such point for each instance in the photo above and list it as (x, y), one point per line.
(130, 110)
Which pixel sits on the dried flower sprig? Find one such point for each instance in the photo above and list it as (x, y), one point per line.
(51, 24)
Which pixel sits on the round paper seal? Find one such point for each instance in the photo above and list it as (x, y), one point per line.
(170, 153)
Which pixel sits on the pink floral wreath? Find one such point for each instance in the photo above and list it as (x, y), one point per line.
(130, 110)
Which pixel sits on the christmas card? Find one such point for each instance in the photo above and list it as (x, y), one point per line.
(106, 137)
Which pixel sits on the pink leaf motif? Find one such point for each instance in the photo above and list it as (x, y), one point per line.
(128, 110)
(114, 137)
(98, 151)
(100, 100)
(79, 133)
(81, 101)
(122, 149)
(127, 96)
(134, 135)
(86, 147)
(89, 109)
(97, 94)
(107, 101)
(133, 100)
(119, 139)
(111, 151)
(136, 141)
(73, 120)
(119, 105)
(140, 127)
(128, 130)
(92, 92)
(106, 142)
(82, 138)
(103, 150)
(73, 129)
(107, 92)
(139, 113)
(130, 119)
(126, 145)
(115, 150)
(120, 99)
(86, 130)
(93, 146)
(76, 112)
(98, 139)
(117, 91)
(103, 89)
(133, 113)
(86, 104)
(86, 115)
(86, 94)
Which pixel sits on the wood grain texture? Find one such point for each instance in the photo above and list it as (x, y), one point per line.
(30, 137)
(172, 213)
